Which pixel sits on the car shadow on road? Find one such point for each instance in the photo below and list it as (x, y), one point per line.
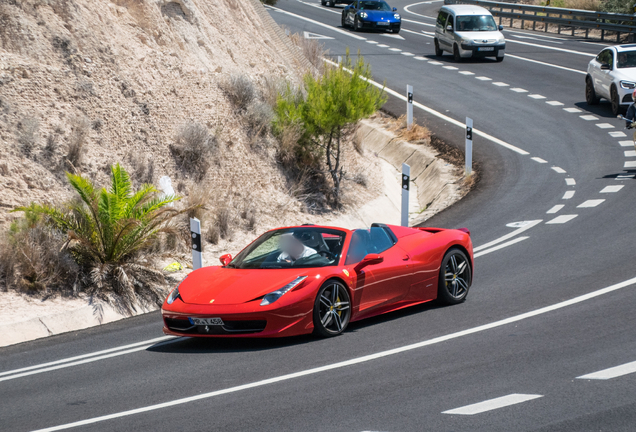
(625, 175)
(603, 109)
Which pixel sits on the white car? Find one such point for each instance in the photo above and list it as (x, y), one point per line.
(612, 76)
(468, 31)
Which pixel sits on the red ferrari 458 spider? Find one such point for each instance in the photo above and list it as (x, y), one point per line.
(305, 279)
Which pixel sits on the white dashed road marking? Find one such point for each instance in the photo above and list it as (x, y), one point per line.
(617, 134)
(466, 73)
(493, 404)
(554, 103)
(394, 49)
(538, 159)
(570, 181)
(561, 219)
(450, 67)
(372, 42)
(568, 195)
(626, 143)
(614, 372)
(501, 246)
(518, 90)
(630, 153)
(383, 46)
(500, 84)
(555, 209)
(536, 96)
(604, 125)
(559, 169)
(435, 63)
(408, 54)
(483, 78)
(630, 164)
(420, 58)
(591, 203)
(589, 117)
(572, 110)
(611, 189)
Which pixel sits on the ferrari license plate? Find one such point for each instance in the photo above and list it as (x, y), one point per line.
(383, 23)
(486, 49)
(206, 321)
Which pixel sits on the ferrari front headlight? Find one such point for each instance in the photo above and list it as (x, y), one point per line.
(363, 15)
(275, 295)
(174, 294)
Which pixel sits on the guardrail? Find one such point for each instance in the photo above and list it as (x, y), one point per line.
(573, 18)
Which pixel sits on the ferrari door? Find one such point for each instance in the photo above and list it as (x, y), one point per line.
(388, 281)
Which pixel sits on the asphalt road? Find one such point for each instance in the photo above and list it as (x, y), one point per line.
(553, 304)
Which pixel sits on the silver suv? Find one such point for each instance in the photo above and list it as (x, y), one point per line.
(468, 31)
(612, 76)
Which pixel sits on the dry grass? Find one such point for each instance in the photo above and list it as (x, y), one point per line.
(313, 50)
(142, 169)
(212, 235)
(27, 135)
(594, 5)
(192, 149)
(197, 201)
(272, 87)
(240, 91)
(258, 116)
(417, 133)
(224, 222)
(76, 147)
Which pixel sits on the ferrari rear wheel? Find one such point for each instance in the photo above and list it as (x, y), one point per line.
(332, 309)
(455, 277)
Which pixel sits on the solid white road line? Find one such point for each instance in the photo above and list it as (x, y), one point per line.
(417, 22)
(83, 356)
(554, 103)
(552, 48)
(617, 134)
(538, 159)
(534, 38)
(559, 170)
(605, 125)
(493, 404)
(555, 209)
(443, 116)
(568, 194)
(572, 110)
(590, 203)
(626, 143)
(612, 189)
(525, 227)
(518, 90)
(406, 8)
(630, 153)
(561, 219)
(354, 361)
(570, 181)
(630, 164)
(501, 246)
(613, 372)
(318, 23)
(546, 64)
(589, 117)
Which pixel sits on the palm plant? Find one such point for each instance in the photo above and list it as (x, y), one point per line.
(108, 231)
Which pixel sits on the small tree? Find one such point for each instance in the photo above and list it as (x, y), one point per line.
(107, 231)
(333, 102)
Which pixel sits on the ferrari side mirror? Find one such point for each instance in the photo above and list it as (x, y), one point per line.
(394, 9)
(225, 259)
(370, 259)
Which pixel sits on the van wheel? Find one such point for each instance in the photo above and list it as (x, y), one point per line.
(438, 51)
(456, 54)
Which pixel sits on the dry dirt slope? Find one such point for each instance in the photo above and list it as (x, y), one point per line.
(128, 74)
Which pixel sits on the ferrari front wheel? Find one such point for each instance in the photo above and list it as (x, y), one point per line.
(455, 277)
(332, 309)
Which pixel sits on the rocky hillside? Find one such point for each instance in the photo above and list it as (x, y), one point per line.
(87, 83)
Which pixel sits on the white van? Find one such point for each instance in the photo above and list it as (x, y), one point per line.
(468, 31)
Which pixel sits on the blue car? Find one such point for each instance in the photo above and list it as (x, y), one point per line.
(371, 15)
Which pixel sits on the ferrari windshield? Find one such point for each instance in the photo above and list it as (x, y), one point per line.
(476, 23)
(374, 5)
(292, 247)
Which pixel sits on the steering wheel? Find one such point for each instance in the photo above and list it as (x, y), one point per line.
(328, 255)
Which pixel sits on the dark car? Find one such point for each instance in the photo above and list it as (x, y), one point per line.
(332, 3)
(371, 15)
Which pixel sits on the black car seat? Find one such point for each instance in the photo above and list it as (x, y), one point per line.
(317, 242)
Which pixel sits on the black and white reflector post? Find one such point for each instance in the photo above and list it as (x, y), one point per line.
(409, 107)
(195, 230)
(406, 180)
(469, 146)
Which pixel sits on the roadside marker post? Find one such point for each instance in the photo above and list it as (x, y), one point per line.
(409, 107)
(339, 60)
(195, 230)
(469, 146)
(406, 179)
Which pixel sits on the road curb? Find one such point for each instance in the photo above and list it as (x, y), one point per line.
(63, 322)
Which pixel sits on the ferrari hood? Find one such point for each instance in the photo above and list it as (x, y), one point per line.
(227, 286)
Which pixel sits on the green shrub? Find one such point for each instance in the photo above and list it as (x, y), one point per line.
(333, 103)
(108, 232)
